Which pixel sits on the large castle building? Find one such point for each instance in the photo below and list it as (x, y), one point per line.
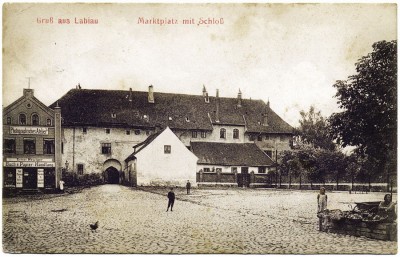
(100, 128)
(124, 136)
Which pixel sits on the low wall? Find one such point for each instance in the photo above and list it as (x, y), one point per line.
(381, 231)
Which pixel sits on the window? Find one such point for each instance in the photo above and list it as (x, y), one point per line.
(281, 138)
(194, 134)
(128, 132)
(206, 170)
(22, 119)
(29, 146)
(147, 132)
(35, 119)
(48, 146)
(259, 138)
(113, 115)
(8, 120)
(137, 132)
(267, 137)
(252, 137)
(261, 170)
(235, 133)
(222, 133)
(169, 118)
(48, 122)
(80, 169)
(234, 169)
(9, 146)
(84, 130)
(107, 131)
(62, 147)
(106, 148)
(203, 134)
(167, 149)
(187, 119)
(269, 153)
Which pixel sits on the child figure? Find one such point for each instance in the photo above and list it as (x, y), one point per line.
(322, 200)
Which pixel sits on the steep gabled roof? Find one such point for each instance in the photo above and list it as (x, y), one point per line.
(230, 154)
(94, 107)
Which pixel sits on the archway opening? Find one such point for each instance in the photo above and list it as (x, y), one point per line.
(112, 175)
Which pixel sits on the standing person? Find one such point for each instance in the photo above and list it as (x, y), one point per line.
(62, 186)
(322, 200)
(171, 198)
(188, 187)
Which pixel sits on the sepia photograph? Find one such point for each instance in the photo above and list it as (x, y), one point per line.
(199, 128)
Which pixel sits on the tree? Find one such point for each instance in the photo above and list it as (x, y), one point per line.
(307, 159)
(289, 165)
(331, 163)
(369, 103)
(314, 130)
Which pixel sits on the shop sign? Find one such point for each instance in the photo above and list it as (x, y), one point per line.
(40, 178)
(20, 130)
(29, 164)
(29, 159)
(19, 178)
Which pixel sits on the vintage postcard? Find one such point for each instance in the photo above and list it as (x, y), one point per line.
(140, 128)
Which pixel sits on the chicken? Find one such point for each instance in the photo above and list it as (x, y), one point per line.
(94, 226)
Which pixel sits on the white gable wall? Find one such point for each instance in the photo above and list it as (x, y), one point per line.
(154, 167)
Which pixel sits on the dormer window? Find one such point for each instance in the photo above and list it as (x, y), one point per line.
(187, 119)
(146, 118)
(22, 119)
(113, 115)
(170, 118)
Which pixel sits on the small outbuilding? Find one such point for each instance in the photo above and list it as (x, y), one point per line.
(161, 160)
(230, 164)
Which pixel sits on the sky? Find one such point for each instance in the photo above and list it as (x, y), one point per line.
(289, 54)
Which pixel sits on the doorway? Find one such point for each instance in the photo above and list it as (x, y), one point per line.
(112, 175)
(29, 180)
(243, 178)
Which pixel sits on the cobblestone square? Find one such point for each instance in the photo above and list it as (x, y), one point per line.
(258, 221)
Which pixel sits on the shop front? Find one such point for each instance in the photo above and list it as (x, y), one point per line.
(29, 174)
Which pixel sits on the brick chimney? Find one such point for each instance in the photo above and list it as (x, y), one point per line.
(265, 115)
(205, 95)
(239, 99)
(217, 101)
(151, 95)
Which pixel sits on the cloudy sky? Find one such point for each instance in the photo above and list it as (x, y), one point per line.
(291, 54)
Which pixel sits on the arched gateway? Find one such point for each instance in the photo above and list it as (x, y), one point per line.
(111, 171)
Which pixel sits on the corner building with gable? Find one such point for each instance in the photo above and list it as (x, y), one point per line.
(31, 145)
(101, 127)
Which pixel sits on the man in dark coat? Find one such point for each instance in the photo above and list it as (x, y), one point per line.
(188, 187)
(171, 198)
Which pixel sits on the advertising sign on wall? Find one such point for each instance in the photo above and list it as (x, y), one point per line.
(19, 178)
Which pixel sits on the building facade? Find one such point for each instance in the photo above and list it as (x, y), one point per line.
(31, 145)
(161, 160)
(100, 127)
